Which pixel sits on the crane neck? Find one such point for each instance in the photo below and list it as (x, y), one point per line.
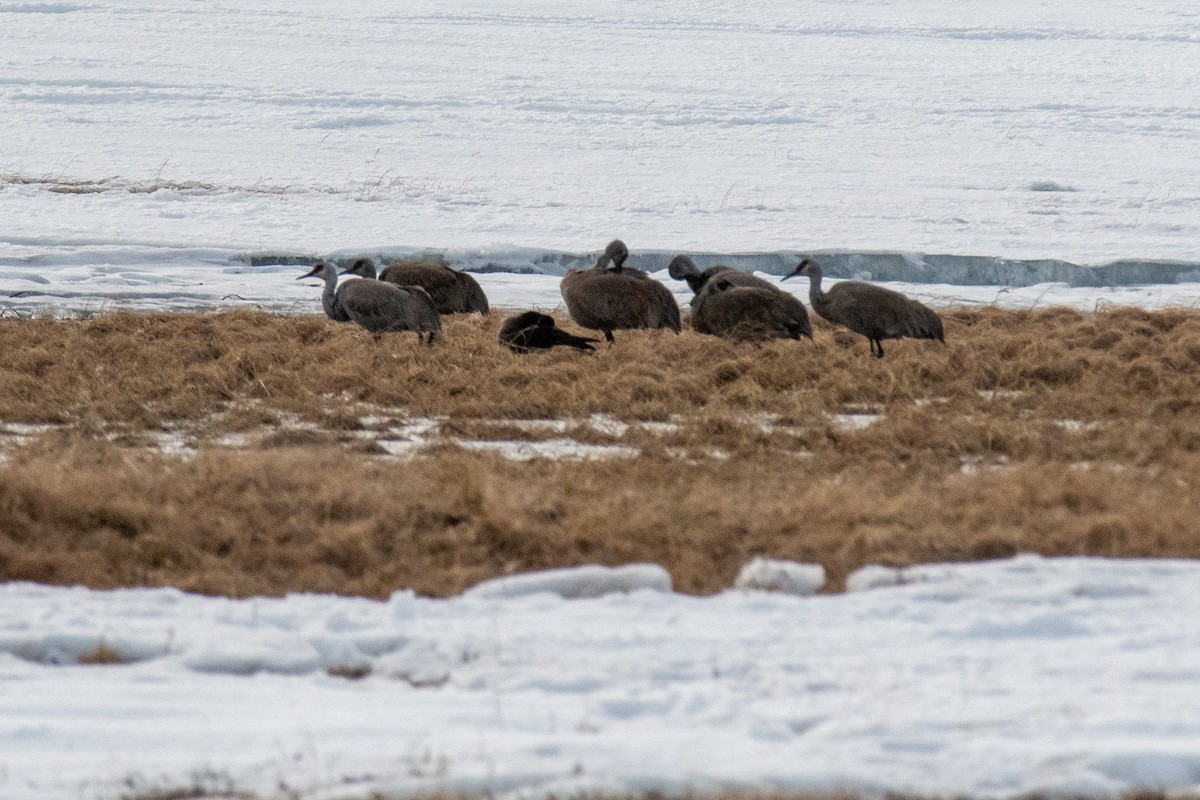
(329, 296)
(814, 285)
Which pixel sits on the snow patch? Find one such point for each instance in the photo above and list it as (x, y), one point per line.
(550, 448)
(874, 576)
(576, 582)
(854, 421)
(788, 577)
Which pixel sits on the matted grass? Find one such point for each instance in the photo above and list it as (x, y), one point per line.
(1054, 432)
(247, 523)
(149, 369)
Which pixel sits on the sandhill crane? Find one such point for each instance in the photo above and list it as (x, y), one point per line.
(683, 268)
(873, 311)
(379, 307)
(611, 296)
(453, 292)
(725, 309)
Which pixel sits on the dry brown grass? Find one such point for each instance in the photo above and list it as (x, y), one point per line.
(969, 460)
(102, 654)
(151, 369)
(62, 184)
(326, 519)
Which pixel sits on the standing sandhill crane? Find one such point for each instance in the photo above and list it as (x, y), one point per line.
(870, 310)
(453, 292)
(610, 296)
(533, 330)
(725, 309)
(683, 268)
(379, 307)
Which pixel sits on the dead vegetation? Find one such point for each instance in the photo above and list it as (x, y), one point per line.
(100, 655)
(1055, 432)
(152, 369)
(61, 184)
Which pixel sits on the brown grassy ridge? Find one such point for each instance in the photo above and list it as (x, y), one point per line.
(311, 512)
(242, 523)
(149, 369)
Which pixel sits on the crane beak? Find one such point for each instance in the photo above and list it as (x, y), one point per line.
(312, 274)
(789, 275)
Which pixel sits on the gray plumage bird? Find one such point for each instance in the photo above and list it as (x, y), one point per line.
(453, 292)
(750, 312)
(611, 296)
(683, 268)
(533, 330)
(379, 307)
(872, 311)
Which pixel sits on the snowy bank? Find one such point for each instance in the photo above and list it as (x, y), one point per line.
(210, 283)
(991, 679)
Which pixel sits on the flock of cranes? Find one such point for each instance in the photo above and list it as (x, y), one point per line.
(412, 296)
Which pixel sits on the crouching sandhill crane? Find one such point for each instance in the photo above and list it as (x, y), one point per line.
(533, 330)
(683, 268)
(611, 296)
(379, 307)
(870, 310)
(723, 308)
(453, 292)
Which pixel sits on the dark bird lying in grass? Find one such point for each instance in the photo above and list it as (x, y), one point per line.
(453, 292)
(533, 330)
(870, 310)
(379, 307)
(750, 312)
(611, 296)
(683, 268)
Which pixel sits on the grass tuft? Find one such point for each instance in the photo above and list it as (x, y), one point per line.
(102, 654)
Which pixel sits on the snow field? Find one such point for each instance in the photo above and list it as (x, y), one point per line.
(990, 679)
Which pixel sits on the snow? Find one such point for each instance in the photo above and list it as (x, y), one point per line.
(874, 576)
(210, 287)
(773, 575)
(991, 679)
(592, 580)
(551, 448)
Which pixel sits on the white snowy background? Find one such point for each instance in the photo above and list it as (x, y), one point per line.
(146, 148)
(995, 679)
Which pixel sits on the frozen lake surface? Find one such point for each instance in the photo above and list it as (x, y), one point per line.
(144, 137)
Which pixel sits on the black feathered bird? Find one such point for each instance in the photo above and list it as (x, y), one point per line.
(533, 330)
